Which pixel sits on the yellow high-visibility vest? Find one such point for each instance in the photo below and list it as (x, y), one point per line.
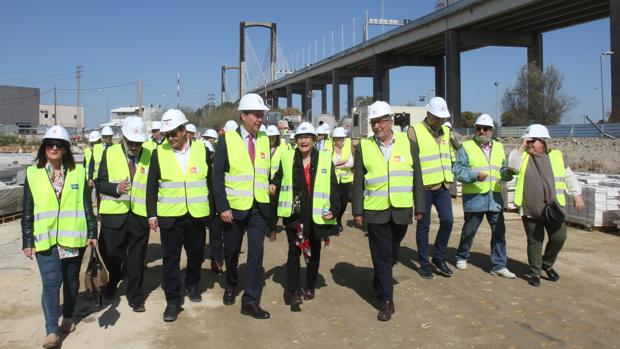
(435, 159)
(344, 175)
(477, 162)
(97, 155)
(559, 177)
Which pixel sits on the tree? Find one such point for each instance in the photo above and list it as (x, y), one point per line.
(537, 97)
(290, 111)
(468, 118)
(363, 100)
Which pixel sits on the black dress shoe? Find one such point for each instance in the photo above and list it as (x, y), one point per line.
(534, 281)
(425, 272)
(254, 311)
(552, 275)
(172, 312)
(442, 268)
(193, 293)
(386, 311)
(229, 296)
(137, 307)
(295, 298)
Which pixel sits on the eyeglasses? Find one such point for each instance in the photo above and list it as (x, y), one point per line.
(51, 143)
(483, 128)
(380, 121)
(174, 132)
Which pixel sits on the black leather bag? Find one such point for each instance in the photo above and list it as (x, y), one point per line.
(553, 215)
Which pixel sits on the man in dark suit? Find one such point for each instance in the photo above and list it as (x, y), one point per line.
(241, 193)
(124, 229)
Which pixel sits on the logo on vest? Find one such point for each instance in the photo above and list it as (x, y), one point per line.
(74, 186)
(397, 158)
(142, 170)
(324, 171)
(194, 169)
(263, 156)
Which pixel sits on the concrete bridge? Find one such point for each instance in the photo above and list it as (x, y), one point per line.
(436, 40)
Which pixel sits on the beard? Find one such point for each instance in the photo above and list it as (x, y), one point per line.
(481, 139)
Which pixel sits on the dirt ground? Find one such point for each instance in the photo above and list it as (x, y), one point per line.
(472, 309)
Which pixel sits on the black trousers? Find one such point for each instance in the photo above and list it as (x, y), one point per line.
(216, 239)
(189, 233)
(384, 240)
(293, 264)
(123, 249)
(344, 193)
(256, 226)
(273, 219)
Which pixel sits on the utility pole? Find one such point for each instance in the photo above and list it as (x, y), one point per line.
(55, 100)
(140, 97)
(179, 90)
(78, 74)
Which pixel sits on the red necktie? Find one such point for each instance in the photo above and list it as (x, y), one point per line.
(251, 149)
(132, 167)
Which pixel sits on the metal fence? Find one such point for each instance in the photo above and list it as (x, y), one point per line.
(556, 131)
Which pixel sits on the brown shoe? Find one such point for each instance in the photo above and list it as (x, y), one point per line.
(51, 341)
(67, 325)
(216, 266)
(387, 309)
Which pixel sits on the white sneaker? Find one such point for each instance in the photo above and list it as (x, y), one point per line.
(504, 273)
(462, 265)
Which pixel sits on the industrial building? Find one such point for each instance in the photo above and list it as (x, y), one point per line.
(66, 115)
(19, 106)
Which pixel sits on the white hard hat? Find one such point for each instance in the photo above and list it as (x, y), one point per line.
(379, 109)
(339, 132)
(323, 129)
(305, 128)
(107, 131)
(133, 129)
(156, 125)
(211, 133)
(94, 136)
(190, 128)
(291, 135)
(57, 132)
(448, 124)
(272, 131)
(172, 119)
(438, 107)
(263, 128)
(252, 101)
(536, 131)
(230, 125)
(485, 120)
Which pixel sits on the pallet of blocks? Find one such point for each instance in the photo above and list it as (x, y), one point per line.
(601, 196)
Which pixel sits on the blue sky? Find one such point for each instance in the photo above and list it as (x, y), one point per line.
(122, 41)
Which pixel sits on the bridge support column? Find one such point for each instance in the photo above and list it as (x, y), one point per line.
(289, 96)
(453, 76)
(350, 96)
(614, 26)
(324, 99)
(274, 99)
(380, 79)
(535, 51)
(336, 94)
(440, 78)
(307, 97)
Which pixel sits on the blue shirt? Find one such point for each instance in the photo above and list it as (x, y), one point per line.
(487, 202)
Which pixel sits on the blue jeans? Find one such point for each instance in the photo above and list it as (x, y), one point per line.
(54, 273)
(498, 240)
(443, 203)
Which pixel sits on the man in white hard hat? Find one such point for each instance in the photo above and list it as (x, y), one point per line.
(323, 142)
(124, 231)
(93, 138)
(433, 139)
(276, 147)
(106, 141)
(156, 137)
(342, 158)
(387, 178)
(454, 143)
(178, 203)
(210, 137)
(216, 240)
(191, 131)
(543, 183)
(481, 167)
(241, 192)
(230, 125)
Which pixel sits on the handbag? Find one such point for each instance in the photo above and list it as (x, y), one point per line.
(96, 275)
(553, 214)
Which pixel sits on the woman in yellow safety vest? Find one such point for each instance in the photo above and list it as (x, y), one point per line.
(543, 183)
(276, 146)
(343, 161)
(308, 204)
(57, 225)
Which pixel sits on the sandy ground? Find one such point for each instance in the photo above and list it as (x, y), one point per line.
(470, 310)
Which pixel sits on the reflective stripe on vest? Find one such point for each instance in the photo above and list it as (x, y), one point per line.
(477, 162)
(253, 180)
(180, 193)
(435, 159)
(65, 222)
(387, 183)
(344, 175)
(320, 192)
(118, 170)
(559, 177)
(97, 155)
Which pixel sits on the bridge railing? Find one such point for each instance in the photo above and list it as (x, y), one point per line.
(556, 131)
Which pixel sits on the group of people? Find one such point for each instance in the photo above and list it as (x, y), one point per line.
(243, 181)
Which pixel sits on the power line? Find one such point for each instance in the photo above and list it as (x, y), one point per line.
(36, 71)
(100, 88)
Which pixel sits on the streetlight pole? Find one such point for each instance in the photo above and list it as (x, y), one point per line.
(323, 46)
(332, 42)
(496, 83)
(603, 54)
(382, 25)
(342, 37)
(353, 31)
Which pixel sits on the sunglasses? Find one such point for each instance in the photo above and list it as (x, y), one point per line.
(533, 140)
(133, 144)
(483, 128)
(51, 143)
(173, 133)
(380, 121)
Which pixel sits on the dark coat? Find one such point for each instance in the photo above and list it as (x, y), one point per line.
(28, 215)
(220, 167)
(300, 188)
(152, 190)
